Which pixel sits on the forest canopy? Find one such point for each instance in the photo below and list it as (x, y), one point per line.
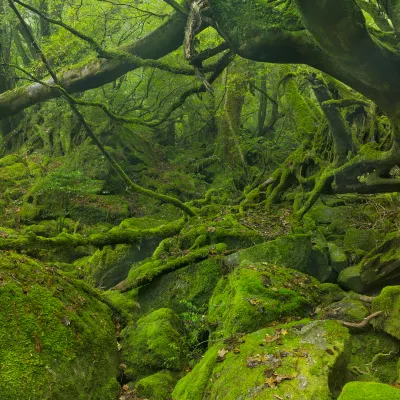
(184, 182)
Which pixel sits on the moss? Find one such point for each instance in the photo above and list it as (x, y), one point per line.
(374, 357)
(154, 343)
(309, 353)
(51, 346)
(9, 160)
(389, 303)
(44, 228)
(350, 279)
(347, 309)
(338, 258)
(369, 391)
(291, 251)
(365, 240)
(156, 387)
(257, 294)
(194, 283)
(146, 272)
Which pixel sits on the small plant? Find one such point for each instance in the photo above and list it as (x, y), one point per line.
(196, 326)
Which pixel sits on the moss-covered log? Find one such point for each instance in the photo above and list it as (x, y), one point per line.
(113, 237)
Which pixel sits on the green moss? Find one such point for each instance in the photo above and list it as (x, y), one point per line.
(350, 279)
(389, 303)
(257, 294)
(338, 258)
(194, 283)
(374, 357)
(154, 343)
(291, 251)
(365, 240)
(310, 353)
(51, 346)
(369, 391)
(156, 387)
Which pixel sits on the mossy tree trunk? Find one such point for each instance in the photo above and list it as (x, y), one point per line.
(229, 125)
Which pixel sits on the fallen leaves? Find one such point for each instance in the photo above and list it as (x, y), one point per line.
(273, 380)
(276, 337)
(37, 343)
(221, 355)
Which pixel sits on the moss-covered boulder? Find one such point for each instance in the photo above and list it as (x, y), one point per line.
(374, 357)
(292, 251)
(326, 215)
(361, 239)
(194, 283)
(155, 342)
(348, 309)
(298, 361)
(57, 340)
(338, 258)
(389, 303)
(350, 279)
(255, 295)
(111, 264)
(382, 267)
(369, 391)
(156, 387)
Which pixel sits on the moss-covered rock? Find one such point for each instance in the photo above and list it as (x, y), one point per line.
(298, 361)
(326, 215)
(350, 279)
(254, 295)
(382, 267)
(374, 357)
(389, 303)
(369, 391)
(360, 239)
(348, 309)
(338, 258)
(292, 251)
(51, 346)
(155, 342)
(156, 387)
(194, 283)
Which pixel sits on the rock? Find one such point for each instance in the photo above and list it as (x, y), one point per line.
(389, 303)
(292, 251)
(350, 279)
(374, 357)
(348, 309)
(383, 267)
(154, 343)
(327, 215)
(111, 264)
(156, 387)
(297, 361)
(369, 391)
(194, 283)
(338, 258)
(50, 342)
(254, 295)
(359, 239)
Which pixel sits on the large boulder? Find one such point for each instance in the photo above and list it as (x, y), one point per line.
(298, 252)
(389, 303)
(57, 339)
(297, 361)
(369, 391)
(155, 342)
(194, 284)
(254, 295)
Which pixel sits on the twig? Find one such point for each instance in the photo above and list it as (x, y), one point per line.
(363, 323)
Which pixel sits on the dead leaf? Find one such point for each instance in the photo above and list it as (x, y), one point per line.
(270, 339)
(125, 388)
(274, 380)
(221, 355)
(211, 229)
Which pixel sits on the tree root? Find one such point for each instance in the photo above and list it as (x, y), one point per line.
(364, 323)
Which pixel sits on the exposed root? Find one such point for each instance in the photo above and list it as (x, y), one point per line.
(363, 323)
